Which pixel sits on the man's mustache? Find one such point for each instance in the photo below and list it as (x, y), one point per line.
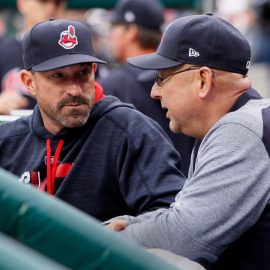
(72, 100)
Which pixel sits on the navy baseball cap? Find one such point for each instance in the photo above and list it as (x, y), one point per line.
(146, 13)
(57, 43)
(202, 40)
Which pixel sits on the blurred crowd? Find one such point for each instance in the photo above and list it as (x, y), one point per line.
(251, 17)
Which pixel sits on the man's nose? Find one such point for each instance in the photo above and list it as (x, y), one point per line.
(155, 92)
(75, 89)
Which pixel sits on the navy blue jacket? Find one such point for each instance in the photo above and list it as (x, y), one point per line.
(120, 162)
(133, 85)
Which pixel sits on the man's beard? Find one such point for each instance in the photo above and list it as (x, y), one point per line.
(75, 117)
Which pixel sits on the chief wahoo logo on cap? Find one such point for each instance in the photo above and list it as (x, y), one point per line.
(68, 40)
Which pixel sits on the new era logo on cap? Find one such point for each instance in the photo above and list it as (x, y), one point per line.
(193, 53)
(68, 40)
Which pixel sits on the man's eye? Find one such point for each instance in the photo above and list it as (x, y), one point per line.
(159, 79)
(58, 76)
(84, 73)
(162, 77)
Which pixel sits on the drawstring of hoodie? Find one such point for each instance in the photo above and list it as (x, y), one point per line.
(51, 168)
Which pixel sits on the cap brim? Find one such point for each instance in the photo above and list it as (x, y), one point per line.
(66, 60)
(153, 61)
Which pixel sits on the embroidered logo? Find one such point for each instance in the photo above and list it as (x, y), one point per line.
(193, 53)
(39, 179)
(31, 178)
(68, 39)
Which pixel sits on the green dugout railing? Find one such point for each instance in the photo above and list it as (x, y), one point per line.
(15, 256)
(64, 234)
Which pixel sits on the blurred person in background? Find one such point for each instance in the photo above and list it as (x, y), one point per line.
(258, 35)
(262, 39)
(2, 28)
(251, 18)
(13, 94)
(136, 30)
(97, 19)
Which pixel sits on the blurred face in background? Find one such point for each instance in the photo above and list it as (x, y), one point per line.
(118, 42)
(34, 11)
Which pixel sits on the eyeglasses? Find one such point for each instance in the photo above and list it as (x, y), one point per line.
(159, 79)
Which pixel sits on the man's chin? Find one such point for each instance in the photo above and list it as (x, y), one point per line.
(173, 127)
(74, 121)
(74, 124)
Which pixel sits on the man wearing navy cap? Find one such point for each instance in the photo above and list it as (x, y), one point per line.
(136, 30)
(221, 217)
(94, 152)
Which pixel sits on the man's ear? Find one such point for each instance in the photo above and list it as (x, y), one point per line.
(28, 80)
(206, 77)
(133, 32)
(94, 67)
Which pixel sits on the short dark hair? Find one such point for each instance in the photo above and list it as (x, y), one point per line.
(148, 38)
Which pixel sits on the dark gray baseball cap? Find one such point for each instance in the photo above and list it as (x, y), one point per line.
(146, 13)
(57, 43)
(203, 40)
